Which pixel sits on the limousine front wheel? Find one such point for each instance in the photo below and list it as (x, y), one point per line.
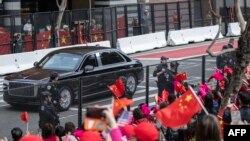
(66, 98)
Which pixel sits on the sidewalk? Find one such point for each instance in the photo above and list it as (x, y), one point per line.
(182, 52)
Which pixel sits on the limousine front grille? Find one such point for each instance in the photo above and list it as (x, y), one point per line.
(22, 89)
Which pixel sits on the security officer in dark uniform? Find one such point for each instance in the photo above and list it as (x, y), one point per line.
(47, 111)
(53, 89)
(160, 73)
(222, 59)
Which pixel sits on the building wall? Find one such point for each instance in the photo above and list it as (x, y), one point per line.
(99, 3)
(81, 4)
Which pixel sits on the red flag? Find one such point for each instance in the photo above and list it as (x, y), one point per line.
(181, 77)
(64, 38)
(180, 111)
(118, 104)
(28, 43)
(5, 47)
(120, 86)
(113, 88)
(179, 87)
(43, 40)
(118, 89)
(164, 95)
(97, 34)
(24, 117)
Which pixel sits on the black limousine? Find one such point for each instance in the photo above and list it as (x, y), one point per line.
(98, 67)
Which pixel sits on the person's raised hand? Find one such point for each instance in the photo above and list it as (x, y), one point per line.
(110, 118)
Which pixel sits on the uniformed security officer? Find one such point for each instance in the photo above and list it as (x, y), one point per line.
(162, 74)
(53, 89)
(222, 59)
(47, 111)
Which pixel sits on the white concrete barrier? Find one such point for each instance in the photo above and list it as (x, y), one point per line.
(11, 63)
(102, 44)
(142, 42)
(233, 29)
(176, 38)
(185, 36)
(16, 62)
(213, 31)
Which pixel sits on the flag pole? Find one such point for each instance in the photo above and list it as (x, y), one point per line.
(27, 127)
(197, 98)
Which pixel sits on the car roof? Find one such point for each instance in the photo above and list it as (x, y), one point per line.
(80, 50)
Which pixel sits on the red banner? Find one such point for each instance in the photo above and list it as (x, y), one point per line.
(5, 47)
(97, 35)
(121, 27)
(64, 38)
(43, 40)
(28, 43)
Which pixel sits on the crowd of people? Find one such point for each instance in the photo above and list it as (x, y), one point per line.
(144, 124)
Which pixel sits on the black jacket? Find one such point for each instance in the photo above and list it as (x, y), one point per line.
(47, 114)
(222, 61)
(161, 77)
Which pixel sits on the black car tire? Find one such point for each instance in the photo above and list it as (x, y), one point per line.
(131, 83)
(66, 98)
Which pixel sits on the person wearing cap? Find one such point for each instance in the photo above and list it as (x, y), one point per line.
(163, 75)
(47, 111)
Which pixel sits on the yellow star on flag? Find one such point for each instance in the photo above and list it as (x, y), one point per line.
(63, 40)
(95, 38)
(188, 98)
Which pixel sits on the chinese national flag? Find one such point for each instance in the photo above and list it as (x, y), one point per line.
(5, 47)
(97, 35)
(43, 40)
(28, 43)
(118, 104)
(113, 88)
(24, 117)
(179, 87)
(180, 111)
(181, 77)
(164, 95)
(118, 88)
(64, 38)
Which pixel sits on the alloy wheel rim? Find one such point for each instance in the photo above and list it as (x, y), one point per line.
(131, 83)
(65, 98)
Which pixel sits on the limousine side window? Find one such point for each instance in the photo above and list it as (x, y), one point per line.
(111, 58)
(90, 60)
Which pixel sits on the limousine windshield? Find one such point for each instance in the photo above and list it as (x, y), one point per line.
(61, 61)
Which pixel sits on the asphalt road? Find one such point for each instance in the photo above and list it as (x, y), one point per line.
(9, 117)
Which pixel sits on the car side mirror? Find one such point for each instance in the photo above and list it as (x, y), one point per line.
(35, 64)
(88, 68)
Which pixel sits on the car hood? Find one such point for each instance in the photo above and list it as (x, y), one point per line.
(33, 74)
